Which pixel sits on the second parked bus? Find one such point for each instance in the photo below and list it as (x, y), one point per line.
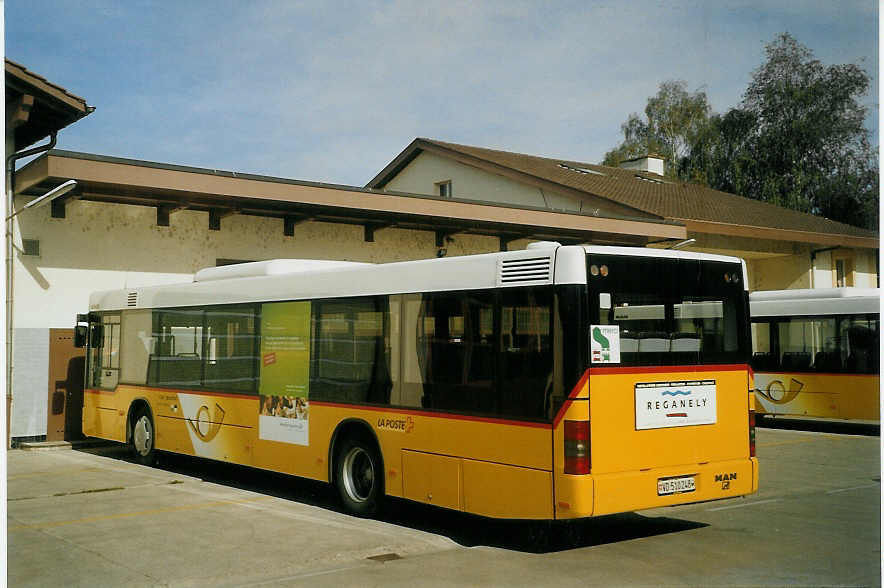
(817, 353)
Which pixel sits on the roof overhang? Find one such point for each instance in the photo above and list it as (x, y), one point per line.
(170, 187)
(36, 108)
(773, 234)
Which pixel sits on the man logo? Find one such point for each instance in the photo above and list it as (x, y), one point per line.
(206, 425)
(725, 479)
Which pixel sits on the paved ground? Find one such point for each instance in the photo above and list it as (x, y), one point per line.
(92, 518)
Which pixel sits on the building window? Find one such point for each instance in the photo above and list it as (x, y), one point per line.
(444, 188)
(30, 247)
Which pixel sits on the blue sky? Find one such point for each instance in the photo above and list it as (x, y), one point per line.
(332, 91)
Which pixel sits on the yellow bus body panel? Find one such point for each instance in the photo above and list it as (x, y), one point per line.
(491, 467)
(835, 396)
(485, 466)
(627, 463)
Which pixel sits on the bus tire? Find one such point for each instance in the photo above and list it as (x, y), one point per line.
(359, 476)
(142, 441)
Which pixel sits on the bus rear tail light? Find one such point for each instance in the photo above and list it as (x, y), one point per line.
(751, 433)
(577, 448)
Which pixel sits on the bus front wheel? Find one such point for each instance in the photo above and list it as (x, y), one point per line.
(359, 476)
(142, 438)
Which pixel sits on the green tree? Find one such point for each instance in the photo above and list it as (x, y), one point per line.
(797, 140)
(673, 122)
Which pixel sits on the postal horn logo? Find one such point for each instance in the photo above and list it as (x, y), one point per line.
(206, 424)
(776, 392)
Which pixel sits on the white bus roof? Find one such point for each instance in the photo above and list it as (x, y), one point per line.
(815, 302)
(668, 253)
(297, 279)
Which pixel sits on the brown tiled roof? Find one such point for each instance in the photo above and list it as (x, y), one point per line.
(53, 109)
(645, 192)
(37, 80)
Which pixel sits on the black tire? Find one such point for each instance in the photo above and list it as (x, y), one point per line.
(359, 476)
(142, 439)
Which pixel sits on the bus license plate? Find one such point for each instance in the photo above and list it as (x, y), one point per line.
(675, 485)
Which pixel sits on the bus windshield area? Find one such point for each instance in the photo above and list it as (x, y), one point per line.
(670, 311)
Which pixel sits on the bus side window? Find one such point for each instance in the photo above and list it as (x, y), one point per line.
(456, 351)
(177, 360)
(232, 348)
(526, 360)
(763, 356)
(350, 351)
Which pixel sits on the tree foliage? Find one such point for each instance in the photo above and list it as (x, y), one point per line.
(797, 139)
(674, 119)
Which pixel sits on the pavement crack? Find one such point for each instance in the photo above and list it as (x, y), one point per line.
(91, 491)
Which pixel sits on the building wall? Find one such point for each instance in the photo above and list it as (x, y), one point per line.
(422, 175)
(111, 246)
(779, 273)
(794, 271)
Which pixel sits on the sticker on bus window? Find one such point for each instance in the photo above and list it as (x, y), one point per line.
(604, 343)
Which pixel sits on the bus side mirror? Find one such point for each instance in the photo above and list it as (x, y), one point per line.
(96, 336)
(81, 332)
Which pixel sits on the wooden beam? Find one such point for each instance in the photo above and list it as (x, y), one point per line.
(441, 236)
(58, 207)
(19, 111)
(216, 214)
(505, 240)
(165, 211)
(368, 230)
(291, 221)
(214, 220)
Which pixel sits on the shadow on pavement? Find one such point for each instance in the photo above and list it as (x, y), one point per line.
(464, 529)
(819, 426)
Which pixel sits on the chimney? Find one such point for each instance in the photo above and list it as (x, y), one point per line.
(651, 163)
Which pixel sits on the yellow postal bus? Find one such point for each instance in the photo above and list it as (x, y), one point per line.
(551, 383)
(817, 353)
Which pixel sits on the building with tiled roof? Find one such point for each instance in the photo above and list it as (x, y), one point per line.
(783, 248)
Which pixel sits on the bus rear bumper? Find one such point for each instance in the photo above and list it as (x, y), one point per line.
(668, 486)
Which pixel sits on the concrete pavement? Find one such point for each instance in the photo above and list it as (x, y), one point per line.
(91, 517)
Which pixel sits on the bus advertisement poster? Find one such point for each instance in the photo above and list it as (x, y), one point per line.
(283, 408)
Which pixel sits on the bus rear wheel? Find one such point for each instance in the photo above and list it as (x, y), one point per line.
(142, 438)
(359, 477)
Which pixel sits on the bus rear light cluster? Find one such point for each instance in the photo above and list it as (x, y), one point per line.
(577, 447)
(751, 433)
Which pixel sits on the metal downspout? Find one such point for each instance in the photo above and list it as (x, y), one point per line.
(10, 230)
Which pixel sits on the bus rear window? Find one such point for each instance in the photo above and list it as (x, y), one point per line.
(670, 311)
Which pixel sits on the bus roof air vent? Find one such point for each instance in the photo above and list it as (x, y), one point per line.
(132, 299)
(525, 271)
